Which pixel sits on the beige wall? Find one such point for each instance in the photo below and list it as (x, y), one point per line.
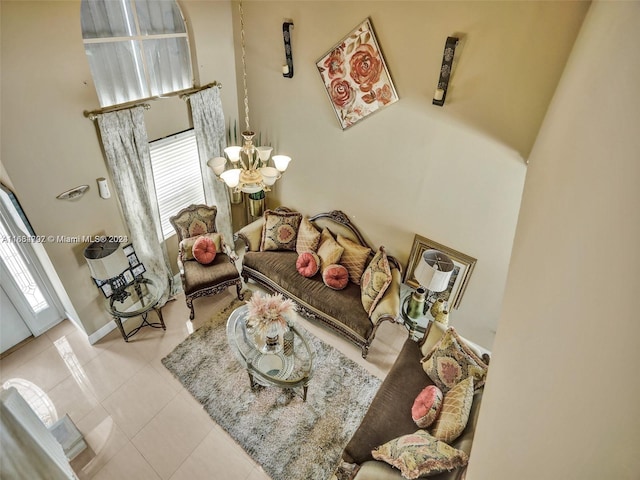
(562, 393)
(452, 174)
(48, 146)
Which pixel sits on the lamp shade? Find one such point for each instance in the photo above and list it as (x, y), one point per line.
(231, 177)
(105, 259)
(233, 153)
(217, 164)
(281, 162)
(264, 153)
(434, 270)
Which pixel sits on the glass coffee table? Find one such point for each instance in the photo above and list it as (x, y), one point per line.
(289, 370)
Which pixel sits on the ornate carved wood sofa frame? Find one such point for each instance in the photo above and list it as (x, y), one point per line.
(341, 310)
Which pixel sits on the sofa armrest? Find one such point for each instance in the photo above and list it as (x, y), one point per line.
(388, 307)
(251, 235)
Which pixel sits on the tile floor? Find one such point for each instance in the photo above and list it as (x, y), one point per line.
(138, 420)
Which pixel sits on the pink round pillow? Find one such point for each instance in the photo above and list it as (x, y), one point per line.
(308, 264)
(204, 250)
(335, 276)
(426, 406)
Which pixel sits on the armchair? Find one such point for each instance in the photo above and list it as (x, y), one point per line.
(202, 280)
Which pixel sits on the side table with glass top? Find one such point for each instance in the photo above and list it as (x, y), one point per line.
(284, 368)
(137, 300)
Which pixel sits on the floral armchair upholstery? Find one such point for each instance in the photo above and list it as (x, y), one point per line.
(200, 280)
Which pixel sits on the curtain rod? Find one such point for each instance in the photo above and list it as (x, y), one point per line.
(186, 93)
(94, 114)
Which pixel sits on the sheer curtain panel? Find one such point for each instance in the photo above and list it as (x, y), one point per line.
(124, 139)
(208, 124)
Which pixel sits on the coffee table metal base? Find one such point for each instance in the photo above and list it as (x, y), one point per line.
(255, 385)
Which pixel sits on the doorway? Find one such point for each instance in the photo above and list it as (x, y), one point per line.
(28, 305)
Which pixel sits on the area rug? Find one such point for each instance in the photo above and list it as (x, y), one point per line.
(289, 438)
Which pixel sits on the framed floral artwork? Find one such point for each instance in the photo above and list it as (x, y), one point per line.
(356, 76)
(463, 267)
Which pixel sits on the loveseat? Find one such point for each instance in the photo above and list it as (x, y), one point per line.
(342, 310)
(390, 414)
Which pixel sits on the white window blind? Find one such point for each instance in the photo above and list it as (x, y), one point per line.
(177, 175)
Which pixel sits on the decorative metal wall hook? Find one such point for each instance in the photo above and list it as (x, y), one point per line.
(445, 71)
(287, 69)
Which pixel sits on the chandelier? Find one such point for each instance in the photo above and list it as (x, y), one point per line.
(250, 171)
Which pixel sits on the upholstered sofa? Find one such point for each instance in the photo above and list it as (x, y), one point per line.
(342, 310)
(390, 414)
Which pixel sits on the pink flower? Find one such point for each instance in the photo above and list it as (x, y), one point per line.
(384, 94)
(267, 309)
(335, 63)
(341, 93)
(366, 67)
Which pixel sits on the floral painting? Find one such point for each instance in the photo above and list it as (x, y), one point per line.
(356, 76)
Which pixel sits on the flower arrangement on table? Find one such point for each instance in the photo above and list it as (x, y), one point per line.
(267, 313)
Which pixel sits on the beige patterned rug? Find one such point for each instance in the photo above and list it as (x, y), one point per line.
(291, 439)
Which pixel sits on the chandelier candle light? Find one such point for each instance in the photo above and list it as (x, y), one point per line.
(250, 171)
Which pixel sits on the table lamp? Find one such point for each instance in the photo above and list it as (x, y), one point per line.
(107, 263)
(433, 273)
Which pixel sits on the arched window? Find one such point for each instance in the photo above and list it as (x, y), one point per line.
(136, 48)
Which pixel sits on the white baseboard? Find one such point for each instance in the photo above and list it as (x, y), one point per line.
(101, 332)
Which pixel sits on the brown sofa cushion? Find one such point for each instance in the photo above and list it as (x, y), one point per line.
(280, 268)
(389, 415)
(199, 276)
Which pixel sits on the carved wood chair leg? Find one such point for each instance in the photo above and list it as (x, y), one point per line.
(239, 291)
(365, 351)
(190, 306)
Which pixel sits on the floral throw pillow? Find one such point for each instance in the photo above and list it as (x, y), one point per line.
(375, 281)
(280, 230)
(454, 414)
(420, 454)
(451, 361)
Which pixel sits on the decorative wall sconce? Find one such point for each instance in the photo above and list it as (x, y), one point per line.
(445, 71)
(287, 69)
(74, 193)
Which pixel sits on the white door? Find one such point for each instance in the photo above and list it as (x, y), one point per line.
(25, 291)
(13, 330)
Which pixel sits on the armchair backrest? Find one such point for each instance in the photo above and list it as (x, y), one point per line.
(194, 220)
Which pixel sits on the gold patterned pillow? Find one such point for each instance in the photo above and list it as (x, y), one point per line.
(354, 258)
(454, 412)
(451, 361)
(329, 251)
(280, 230)
(375, 281)
(420, 454)
(308, 237)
